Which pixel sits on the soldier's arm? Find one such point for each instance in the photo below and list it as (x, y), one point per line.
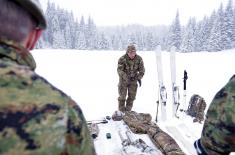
(141, 69)
(78, 138)
(121, 68)
(218, 131)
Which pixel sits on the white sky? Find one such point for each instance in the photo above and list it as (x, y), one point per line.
(146, 12)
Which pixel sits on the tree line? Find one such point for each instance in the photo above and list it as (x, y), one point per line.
(213, 33)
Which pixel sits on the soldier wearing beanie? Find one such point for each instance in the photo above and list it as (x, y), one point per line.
(35, 116)
(130, 70)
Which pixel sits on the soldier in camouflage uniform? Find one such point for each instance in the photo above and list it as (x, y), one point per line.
(130, 70)
(218, 134)
(35, 117)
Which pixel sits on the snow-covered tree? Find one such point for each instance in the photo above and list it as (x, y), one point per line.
(174, 36)
(228, 26)
(215, 40)
(188, 41)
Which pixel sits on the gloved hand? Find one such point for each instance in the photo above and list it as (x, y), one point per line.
(132, 78)
(139, 81)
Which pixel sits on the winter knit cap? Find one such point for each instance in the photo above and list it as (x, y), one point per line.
(131, 48)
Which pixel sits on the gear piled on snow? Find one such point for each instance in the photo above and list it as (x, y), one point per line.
(196, 108)
(138, 144)
(117, 116)
(141, 123)
(94, 130)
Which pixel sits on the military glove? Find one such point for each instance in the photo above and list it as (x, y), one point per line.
(139, 81)
(132, 78)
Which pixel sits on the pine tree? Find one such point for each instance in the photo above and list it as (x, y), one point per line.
(188, 42)
(174, 37)
(215, 40)
(228, 26)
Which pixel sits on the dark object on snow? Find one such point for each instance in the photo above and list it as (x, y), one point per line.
(196, 108)
(117, 116)
(185, 79)
(94, 130)
(108, 117)
(108, 135)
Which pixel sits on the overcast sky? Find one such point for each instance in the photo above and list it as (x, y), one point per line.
(145, 12)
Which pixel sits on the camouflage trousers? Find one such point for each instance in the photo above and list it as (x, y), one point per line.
(128, 90)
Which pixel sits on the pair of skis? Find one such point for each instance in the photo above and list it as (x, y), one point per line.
(162, 94)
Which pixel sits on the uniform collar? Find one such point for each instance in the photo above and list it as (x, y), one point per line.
(16, 52)
(130, 58)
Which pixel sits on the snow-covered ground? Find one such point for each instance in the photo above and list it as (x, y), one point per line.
(90, 78)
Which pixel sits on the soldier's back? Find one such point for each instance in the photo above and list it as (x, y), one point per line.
(36, 117)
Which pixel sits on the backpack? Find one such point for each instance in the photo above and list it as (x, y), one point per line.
(193, 103)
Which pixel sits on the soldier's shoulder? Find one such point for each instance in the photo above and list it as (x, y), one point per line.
(139, 58)
(22, 78)
(232, 78)
(231, 84)
(122, 58)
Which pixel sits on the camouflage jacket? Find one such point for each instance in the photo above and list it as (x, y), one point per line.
(35, 117)
(130, 69)
(218, 135)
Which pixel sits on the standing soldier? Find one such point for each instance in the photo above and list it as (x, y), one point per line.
(218, 136)
(130, 70)
(35, 117)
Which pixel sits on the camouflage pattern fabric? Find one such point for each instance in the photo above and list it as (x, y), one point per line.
(218, 134)
(35, 117)
(140, 123)
(197, 106)
(137, 122)
(200, 108)
(164, 141)
(129, 71)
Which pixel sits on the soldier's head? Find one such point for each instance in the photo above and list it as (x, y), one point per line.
(131, 51)
(21, 21)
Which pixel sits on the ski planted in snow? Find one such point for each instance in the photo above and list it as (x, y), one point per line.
(162, 94)
(175, 88)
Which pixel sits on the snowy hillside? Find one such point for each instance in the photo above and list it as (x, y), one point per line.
(90, 78)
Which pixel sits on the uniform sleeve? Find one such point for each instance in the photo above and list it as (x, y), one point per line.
(121, 69)
(78, 136)
(218, 132)
(141, 69)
